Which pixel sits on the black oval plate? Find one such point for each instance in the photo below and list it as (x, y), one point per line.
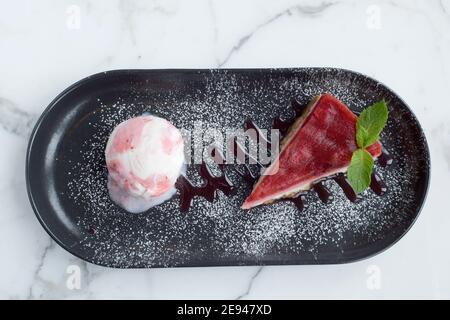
(66, 173)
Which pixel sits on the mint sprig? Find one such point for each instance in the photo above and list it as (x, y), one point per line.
(368, 128)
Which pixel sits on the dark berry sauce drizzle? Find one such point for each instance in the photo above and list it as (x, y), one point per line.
(208, 189)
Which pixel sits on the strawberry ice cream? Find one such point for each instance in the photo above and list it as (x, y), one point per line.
(144, 156)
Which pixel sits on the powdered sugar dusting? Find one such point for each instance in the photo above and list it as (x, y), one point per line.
(220, 233)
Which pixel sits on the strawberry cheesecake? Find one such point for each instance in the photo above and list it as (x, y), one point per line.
(319, 144)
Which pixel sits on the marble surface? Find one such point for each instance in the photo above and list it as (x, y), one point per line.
(47, 45)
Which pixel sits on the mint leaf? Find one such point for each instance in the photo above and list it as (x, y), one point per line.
(370, 123)
(360, 170)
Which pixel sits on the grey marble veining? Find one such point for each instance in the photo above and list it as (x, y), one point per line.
(297, 9)
(15, 120)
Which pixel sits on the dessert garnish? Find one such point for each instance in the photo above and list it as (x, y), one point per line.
(368, 128)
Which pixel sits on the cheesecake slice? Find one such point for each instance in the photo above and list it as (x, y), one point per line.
(319, 144)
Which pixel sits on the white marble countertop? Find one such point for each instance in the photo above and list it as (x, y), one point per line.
(47, 45)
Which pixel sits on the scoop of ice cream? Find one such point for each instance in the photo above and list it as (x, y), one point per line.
(144, 156)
